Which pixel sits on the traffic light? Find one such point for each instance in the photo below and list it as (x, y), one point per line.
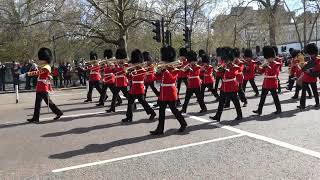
(186, 36)
(168, 38)
(157, 30)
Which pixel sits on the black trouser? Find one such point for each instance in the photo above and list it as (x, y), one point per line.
(162, 114)
(44, 96)
(216, 85)
(241, 95)
(154, 89)
(253, 85)
(95, 84)
(116, 91)
(80, 78)
(279, 85)
(111, 87)
(55, 81)
(291, 82)
(179, 81)
(222, 100)
(275, 97)
(298, 88)
(61, 80)
(210, 87)
(304, 90)
(28, 85)
(2, 83)
(16, 82)
(142, 101)
(199, 96)
(34, 81)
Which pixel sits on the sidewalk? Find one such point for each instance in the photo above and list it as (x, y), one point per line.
(11, 90)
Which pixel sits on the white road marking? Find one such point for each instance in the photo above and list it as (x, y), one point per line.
(145, 154)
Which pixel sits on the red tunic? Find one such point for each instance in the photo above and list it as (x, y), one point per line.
(239, 77)
(43, 84)
(137, 82)
(120, 77)
(150, 76)
(207, 73)
(183, 74)
(248, 71)
(229, 80)
(94, 73)
(194, 80)
(270, 75)
(307, 77)
(294, 67)
(168, 90)
(220, 63)
(109, 78)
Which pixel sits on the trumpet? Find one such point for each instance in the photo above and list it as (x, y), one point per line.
(171, 65)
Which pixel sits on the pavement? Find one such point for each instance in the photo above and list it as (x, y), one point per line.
(87, 143)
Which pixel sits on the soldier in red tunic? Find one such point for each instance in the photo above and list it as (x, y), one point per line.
(280, 62)
(194, 82)
(310, 73)
(271, 71)
(121, 81)
(150, 75)
(109, 78)
(182, 76)
(249, 71)
(168, 91)
(94, 79)
(239, 62)
(137, 90)
(229, 86)
(220, 63)
(43, 85)
(208, 79)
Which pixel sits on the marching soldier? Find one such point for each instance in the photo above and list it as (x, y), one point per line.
(150, 75)
(219, 75)
(121, 81)
(229, 86)
(43, 85)
(270, 83)
(208, 79)
(280, 62)
(194, 82)
(249, 71)
(168, 91)
(137, 87)
(182, 76)
(310, 73)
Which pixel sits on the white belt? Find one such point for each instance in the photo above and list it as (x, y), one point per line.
(269, 77)
(45, 81)
(137, 82)
(207, 75)
(148, 73)
(229, 80)
(122, 76)
(94, 73)
(193, 77)
(109, 74)
(168, 85)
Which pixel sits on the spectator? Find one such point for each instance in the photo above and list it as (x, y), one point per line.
(55, 75)
(28, 78)
(67, 72)
(34, 79)
(2, 77)
(15, 70)
(81, 74)
(61, 75)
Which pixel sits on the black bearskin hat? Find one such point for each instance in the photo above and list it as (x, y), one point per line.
(183, 52)
(108, 53)
(168, 54)
(121, 54)
(311, 49)
(275, 48)
(291, 50)
(268, 52)
(248, 53)
(236, 52)
(44, 54)
(202, 53)
(93, 55)
(227, 54)
(295, 53)
(192, 56)
(218, 52)
(146, 56)
(205, 59)
(136, 56)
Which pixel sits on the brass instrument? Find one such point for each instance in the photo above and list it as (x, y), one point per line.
(171, 65)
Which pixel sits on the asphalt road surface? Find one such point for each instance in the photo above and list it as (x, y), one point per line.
(87, 143)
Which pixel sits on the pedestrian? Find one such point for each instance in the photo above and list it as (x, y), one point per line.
(310, 75)
(3, 69)
(194, 82)
(249, 71)
(230, 85)
(34, 67)
(55, 75)
(61, 75)
(168, 91)
(137, 75)
(43, 85)
(15, 70)
(271, 71)
(94, 78)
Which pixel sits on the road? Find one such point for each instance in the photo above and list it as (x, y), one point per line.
(87, 143)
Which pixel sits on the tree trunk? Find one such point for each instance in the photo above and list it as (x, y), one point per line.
(272, 29)
(122, 40)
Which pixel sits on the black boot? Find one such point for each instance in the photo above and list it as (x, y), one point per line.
(156, 132)
(152, 116)
(257, 112)
(58, 116)
(110, 110)
(216, 118)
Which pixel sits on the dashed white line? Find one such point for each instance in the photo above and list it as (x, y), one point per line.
(145, 153)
